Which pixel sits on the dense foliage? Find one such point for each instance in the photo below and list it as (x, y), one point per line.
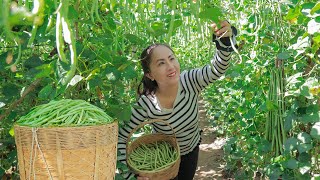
(89, 50)
(286, 32)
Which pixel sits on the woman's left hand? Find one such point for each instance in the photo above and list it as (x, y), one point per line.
(224, 31)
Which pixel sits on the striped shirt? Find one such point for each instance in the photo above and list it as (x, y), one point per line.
(184, 115)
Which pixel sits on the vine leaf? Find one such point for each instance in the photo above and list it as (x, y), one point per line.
(315, 131)
(315, 8)
(291, 164)
(214, 13)
(284, 55)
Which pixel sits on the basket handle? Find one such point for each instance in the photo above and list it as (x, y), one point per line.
(148, 122)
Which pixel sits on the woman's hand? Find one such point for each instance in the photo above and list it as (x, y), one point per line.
(224, 31)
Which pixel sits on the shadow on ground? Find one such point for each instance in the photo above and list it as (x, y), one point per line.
(210, 162)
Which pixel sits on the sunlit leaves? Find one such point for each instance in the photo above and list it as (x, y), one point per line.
(304, 167)
(316, 38)
(158, 27)
(313, 26)
(302, 44)
(294, 13)
(304, 137)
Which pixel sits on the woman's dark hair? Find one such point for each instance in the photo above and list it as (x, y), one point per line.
(148, 86)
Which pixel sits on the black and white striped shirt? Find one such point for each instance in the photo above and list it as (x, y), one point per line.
(183, 117)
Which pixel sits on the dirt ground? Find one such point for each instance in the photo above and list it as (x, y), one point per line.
(210, 163)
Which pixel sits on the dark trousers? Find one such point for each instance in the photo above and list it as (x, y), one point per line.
(188, 165)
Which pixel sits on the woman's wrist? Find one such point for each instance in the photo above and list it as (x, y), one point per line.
(224, 43)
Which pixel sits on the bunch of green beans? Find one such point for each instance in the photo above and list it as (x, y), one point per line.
(275, 132)
(65, 113)
(153, 157)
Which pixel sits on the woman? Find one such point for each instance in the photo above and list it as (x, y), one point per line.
(173, 97)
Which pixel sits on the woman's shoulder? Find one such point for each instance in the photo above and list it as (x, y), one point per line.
(146, 100)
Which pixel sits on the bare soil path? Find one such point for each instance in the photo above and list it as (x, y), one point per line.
(210, 163)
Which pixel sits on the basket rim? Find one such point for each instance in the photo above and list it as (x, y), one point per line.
(144, 123)
(160, 170)
(61, 127)
(155, 171)
(154, 134)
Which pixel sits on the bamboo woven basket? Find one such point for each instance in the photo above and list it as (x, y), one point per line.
(64, 153)
(164, 174)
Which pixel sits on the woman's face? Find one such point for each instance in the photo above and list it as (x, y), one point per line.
(164, 67)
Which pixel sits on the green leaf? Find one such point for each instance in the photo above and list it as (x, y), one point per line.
(315, 8)
(315, 131)
(134, 39)
(227, 148)
(10, 90)
(95, 81)
(271, 105)
(72, 14)
(158, 27)
(33, 62)
(304, 137)
(304, 147)
(290, 144)
(304, 157)
(251, 113)
(177, 23)
(309, 118)
(264, 147)
(214, 13)
(307, 6)
(123, 167)
(316, 39)
(291, 164)
(11, 132)
(312, 114)
(2, 172)
(304, 91)
(290, 118)
(121, 112)
(287, 175)
(243, 123)
(129, 72)
(111, 23)
(45, 70)
(46, 92)
(293, 13)
(119, 177)
(275, 173)
(283, 55)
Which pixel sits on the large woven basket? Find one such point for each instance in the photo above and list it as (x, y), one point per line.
(65, 153)
(164, 174)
